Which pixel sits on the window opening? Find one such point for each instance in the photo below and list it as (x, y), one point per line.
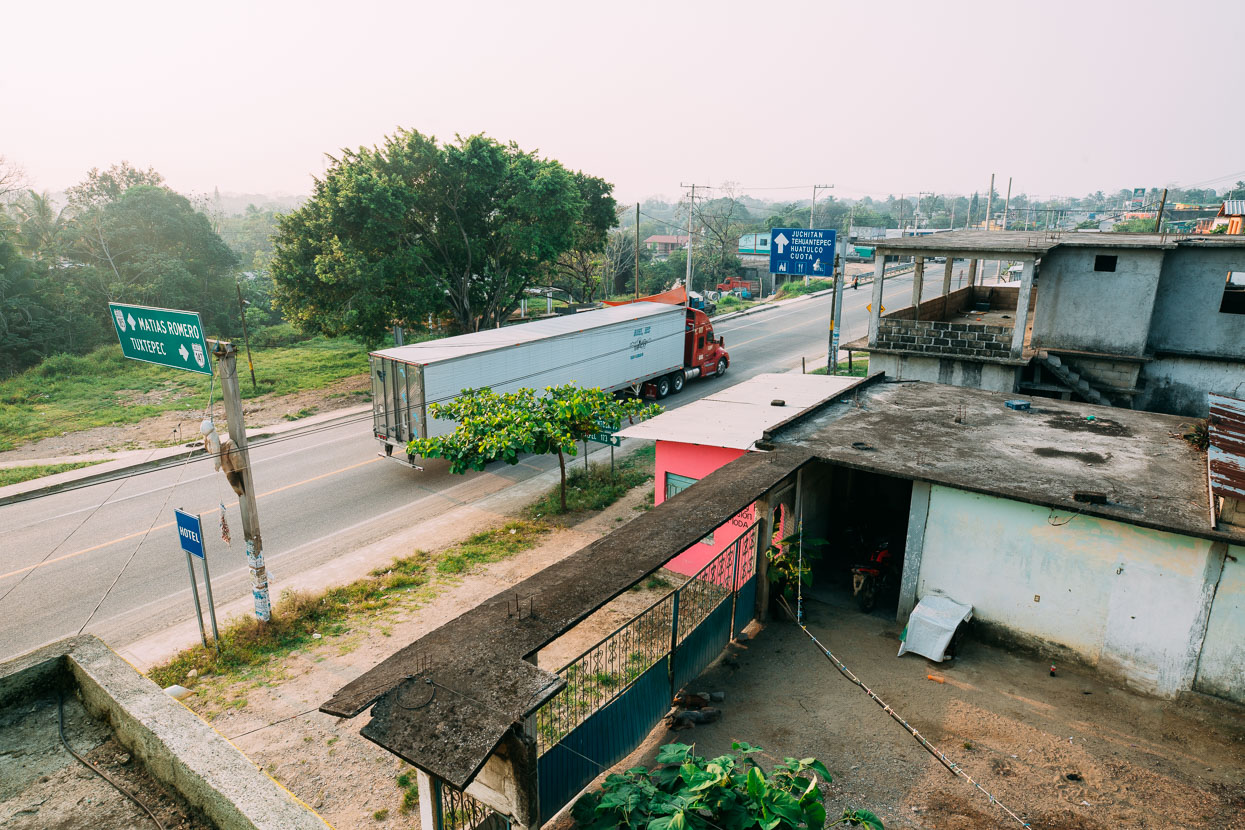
(1233, 301)
(676, 484)
(1105, 262)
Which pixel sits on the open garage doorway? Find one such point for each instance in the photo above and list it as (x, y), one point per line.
(862, 518)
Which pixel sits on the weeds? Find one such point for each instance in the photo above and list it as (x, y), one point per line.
(410, 792)
(859, 368)
(305, 412)
(595, 488)
(16, 475)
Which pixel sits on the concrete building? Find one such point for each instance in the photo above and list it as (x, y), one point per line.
(1231, 217)
(663, 245)
(1146, 321)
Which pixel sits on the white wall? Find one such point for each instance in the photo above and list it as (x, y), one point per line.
(1129, 600)
(1221, 668)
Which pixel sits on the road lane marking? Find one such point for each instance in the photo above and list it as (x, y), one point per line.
(170, 524)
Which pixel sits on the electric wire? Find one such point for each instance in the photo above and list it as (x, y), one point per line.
(60, 726)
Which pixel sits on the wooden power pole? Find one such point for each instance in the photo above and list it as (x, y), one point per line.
(227, 367)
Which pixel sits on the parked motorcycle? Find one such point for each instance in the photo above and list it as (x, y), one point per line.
(874, 577)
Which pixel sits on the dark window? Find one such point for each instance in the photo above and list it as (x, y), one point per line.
(700, 343)
(1234, 294)
(1104, 262)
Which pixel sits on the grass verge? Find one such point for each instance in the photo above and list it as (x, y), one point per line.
(16, 475)
(298, 617)
(594, 488)
(67, 393)
(797, 288)
(859, 368)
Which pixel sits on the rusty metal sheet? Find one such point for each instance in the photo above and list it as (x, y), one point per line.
(1227, 446)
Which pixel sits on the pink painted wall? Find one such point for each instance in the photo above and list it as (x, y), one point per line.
(697, 461)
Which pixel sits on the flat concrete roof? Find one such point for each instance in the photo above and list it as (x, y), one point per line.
(445, 702)
(737, 417)
(1151, 476)
(1023, 244)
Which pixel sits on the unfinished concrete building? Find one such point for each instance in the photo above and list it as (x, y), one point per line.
(1142, 321)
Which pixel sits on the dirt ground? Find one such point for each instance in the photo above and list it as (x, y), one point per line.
(43, 787)
(1067, 752)
(182, 426)
(323, 760)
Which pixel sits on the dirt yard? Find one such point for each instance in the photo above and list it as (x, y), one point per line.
(182, 426)
(324, 761)
(1065, 752)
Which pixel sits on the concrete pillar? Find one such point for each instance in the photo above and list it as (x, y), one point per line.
(918, 513)
(765, 537)
(972, 272)
(875, 315)
(427, 802)
(918, 282)
(508, 781)
(1022, 309)
(946, 276)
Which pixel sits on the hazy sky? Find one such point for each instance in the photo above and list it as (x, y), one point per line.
(872, 97)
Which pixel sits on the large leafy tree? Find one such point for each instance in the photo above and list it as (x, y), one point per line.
(101, 187)
(417, 227)
(504, 426)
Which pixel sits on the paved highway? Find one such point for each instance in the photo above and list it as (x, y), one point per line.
(104, 558)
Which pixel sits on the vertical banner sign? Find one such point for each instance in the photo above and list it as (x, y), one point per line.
(163, 336)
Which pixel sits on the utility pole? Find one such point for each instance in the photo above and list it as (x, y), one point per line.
(952, 225)
(227, 367)
(1158, 222)
(812, 207)
(1008, 202)
(637, 250)
(990, 201)
(836, 299)
(902, 201)
(246, 336)
(691, 211)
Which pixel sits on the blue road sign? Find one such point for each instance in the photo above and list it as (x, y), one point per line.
(802, 252)
(189, 533)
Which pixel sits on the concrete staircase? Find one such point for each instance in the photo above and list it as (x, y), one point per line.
(1070, 378)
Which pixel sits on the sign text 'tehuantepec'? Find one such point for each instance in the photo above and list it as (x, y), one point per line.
(162, 335)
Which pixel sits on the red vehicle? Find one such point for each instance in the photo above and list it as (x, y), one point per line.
(703, 354)
(751, 288)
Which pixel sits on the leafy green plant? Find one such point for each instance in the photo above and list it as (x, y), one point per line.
(505, 426)
(787, 567)
(729, 792)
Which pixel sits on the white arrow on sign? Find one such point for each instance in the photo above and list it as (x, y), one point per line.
(182, 351)
(130, 320)
(781, 241)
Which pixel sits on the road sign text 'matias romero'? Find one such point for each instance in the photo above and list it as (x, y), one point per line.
(162, 335)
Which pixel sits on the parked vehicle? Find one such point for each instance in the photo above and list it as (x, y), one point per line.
(877, 576)
(741, 287)
(697, 300)
(649, 347)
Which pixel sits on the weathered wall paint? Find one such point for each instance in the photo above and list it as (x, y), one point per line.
(1096, 311)
(992, 377)
(1186, 312)
(1127, 599)
(1221, 667)
(697, 461)
(1178, 385)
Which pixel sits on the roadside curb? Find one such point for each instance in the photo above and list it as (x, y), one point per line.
(169, 457)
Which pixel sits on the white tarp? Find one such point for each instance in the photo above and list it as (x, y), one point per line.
(932, 625)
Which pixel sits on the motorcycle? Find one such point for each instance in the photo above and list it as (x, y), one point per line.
(875, 577)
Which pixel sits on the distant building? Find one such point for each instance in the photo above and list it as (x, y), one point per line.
(662, 245)
(1231, 214)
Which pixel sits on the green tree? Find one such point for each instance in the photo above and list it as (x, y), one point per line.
(413, 227)
(504, 426)
(103, 186)
(31, 322)
(1134, 226)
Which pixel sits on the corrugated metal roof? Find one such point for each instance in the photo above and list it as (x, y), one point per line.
(1226, 455)
(483, 341)
(1233, 207)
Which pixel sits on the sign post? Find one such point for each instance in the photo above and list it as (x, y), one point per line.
(163, 336)
(190, 538)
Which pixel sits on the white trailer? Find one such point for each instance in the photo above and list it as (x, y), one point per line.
(614, 349)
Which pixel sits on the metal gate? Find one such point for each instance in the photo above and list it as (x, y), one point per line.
(618, 689)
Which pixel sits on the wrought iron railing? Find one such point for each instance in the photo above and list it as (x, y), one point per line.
(607, 669)
(455, 810)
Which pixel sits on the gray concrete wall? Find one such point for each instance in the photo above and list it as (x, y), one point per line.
(1186, 314)
(993, 377)
(1178, 385)
(1096, 311)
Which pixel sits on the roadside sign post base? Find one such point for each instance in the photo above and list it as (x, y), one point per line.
(207, 584)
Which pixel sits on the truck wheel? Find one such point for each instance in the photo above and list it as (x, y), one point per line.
(677, 379)
(721, 370)
(663, 386)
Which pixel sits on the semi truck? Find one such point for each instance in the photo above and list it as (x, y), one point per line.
(649, 347)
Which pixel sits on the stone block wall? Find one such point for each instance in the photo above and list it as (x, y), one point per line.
(936, 337)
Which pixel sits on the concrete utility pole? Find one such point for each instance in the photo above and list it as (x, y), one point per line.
(691, 212)
(1008, 202)
(812, 207)
(637, 250)
(990, 201)
(1158, 222)
(227, 367)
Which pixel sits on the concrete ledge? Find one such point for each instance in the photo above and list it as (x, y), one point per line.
(177, 748)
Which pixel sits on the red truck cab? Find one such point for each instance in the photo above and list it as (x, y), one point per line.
(703, 354)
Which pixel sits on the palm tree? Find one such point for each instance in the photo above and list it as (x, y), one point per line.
(42, 228)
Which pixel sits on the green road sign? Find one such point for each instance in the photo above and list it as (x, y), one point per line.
(163, 336)
(606, 438)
